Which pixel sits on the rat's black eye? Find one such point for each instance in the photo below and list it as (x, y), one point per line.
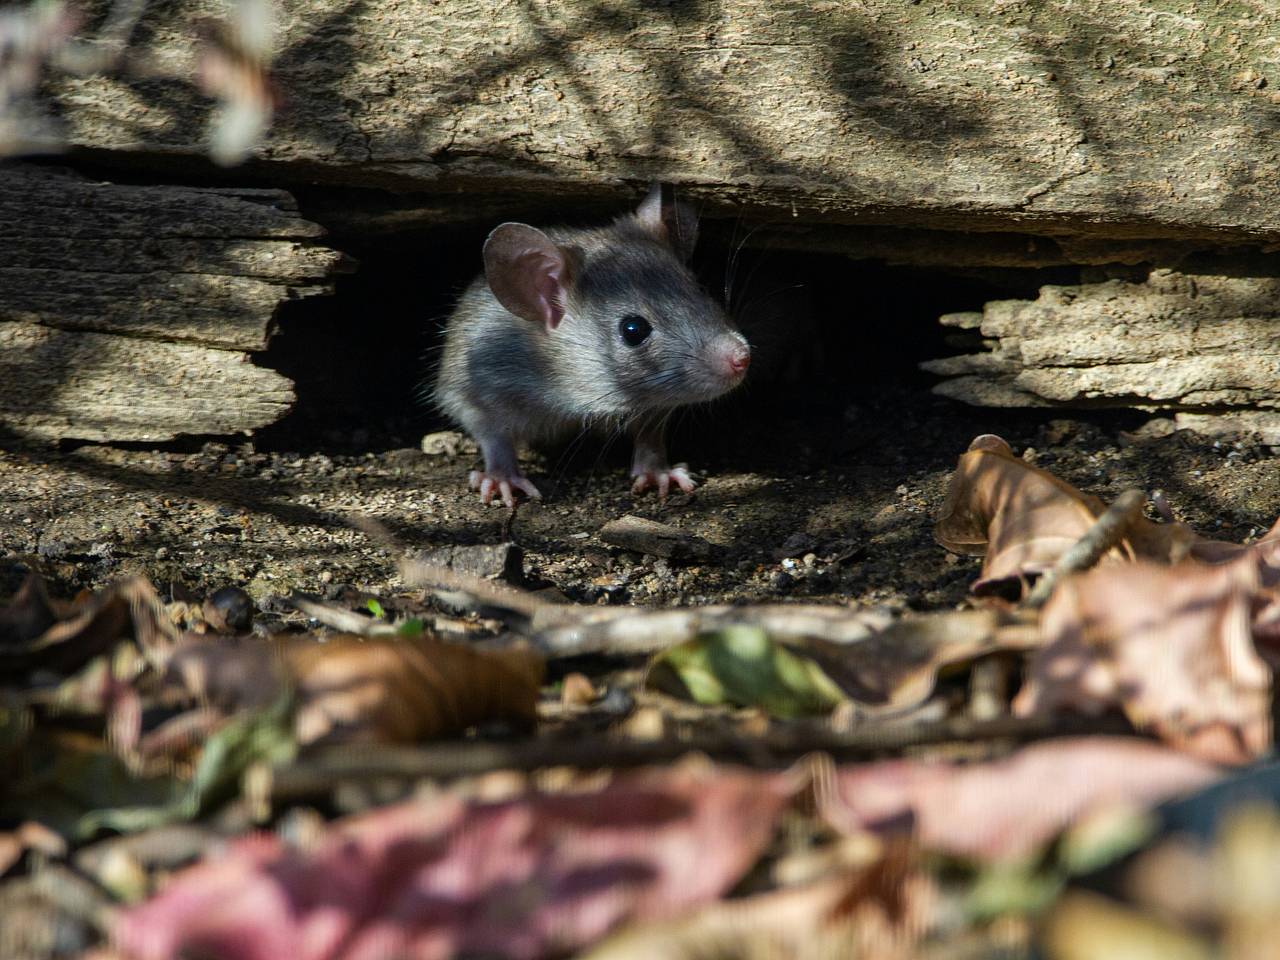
(635, 330)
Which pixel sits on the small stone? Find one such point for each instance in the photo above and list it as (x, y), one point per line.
(646, 723)
(577, 691)
(326, 576)
(499, 561)
(655, 539)
(616, 701)
(162, 553)
(229, 610)
(798, 544)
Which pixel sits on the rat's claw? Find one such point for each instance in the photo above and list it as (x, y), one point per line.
(504, 486)
(662, 479)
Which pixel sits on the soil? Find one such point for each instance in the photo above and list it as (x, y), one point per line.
(821, 499)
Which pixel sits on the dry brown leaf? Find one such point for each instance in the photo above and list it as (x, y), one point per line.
(1023, 518)
(350, 688)
(577, 691)
(897, 668)
(1008, 809)
(1266, 548)
(91, 627)
(1172, 646)
(404, 690)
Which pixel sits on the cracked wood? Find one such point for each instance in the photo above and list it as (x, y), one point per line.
(129, 311)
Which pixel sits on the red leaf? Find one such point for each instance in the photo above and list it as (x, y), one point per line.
(1008, 809)
(522, 878)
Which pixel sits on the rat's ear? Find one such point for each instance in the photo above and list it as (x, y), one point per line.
(527, 273)
(669, 220)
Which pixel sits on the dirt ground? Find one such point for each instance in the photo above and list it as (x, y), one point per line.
(821, 500)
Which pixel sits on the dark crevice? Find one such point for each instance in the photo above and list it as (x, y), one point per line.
(845, 333)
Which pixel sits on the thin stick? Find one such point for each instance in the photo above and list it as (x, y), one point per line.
(339, 618)
(1108, 530)
(317, 774)
(416, 573)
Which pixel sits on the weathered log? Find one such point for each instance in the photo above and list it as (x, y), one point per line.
(127, 311)
(1066, 117)
(1200, 343)
(56, 384)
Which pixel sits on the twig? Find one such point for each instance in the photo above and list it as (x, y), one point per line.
(415, 573)
(339, 618)
(321, 771)
(626, 631)
(1108, 530)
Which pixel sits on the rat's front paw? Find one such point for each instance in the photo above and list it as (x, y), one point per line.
(663, 479)
(504, 484)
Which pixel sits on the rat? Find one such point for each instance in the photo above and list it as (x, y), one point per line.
(569, 329)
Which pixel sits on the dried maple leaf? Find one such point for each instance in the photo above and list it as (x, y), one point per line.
(524, 878)
(1008, 809)
(1023, 518)
(391, 690)
(404, 690)
(1171, 646)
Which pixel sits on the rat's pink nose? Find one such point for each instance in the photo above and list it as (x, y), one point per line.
(735, 355)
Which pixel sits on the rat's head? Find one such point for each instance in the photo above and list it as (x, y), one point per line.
(626, 326)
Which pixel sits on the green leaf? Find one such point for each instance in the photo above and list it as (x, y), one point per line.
(1104, 837)
(265, 736)
(1012, 888)
(375, 608)
(742, 665)
(413, 627)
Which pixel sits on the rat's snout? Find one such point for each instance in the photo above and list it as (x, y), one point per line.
(732, 356)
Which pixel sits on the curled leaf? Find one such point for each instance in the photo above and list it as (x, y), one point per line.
(897, 668)
(31, 640)
(1023, 518)
(1171, 646)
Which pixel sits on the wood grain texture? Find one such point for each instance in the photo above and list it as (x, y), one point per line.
(1110, 118)
(1203, 340)
(187, 264)
(58, 384)
(128, 312)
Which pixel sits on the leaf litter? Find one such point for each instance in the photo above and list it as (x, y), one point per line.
(126, 715)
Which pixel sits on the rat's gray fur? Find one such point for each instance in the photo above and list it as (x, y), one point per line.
(508, 380)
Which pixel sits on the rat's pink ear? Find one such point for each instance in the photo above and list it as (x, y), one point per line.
(527, 273)
(669, 220)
